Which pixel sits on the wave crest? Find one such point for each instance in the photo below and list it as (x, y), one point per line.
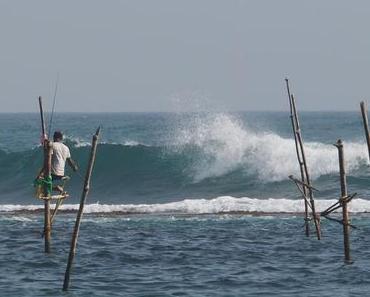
(224, 204)
(225, 144)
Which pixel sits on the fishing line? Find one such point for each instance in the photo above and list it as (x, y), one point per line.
(79, 175)
(77, 172)
(54, 100)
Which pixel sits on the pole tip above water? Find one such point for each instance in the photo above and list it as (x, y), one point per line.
(339, 143)
(96, 135)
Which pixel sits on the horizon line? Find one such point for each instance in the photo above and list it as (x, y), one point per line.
(187, 111)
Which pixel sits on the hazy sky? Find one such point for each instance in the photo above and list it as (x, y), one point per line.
(163, 55)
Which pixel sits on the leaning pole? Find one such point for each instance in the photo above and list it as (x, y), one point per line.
(85, 191)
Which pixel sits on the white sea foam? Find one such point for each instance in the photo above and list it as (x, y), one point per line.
(78, 142)
(81, 143)
(18, 207)
(224, 204)
(131, 143)
(227, 145)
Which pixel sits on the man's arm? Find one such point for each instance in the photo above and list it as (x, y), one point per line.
(73, 164)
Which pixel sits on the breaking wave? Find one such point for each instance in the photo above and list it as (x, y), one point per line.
(225, 204)
(224, 145)
(207, 156)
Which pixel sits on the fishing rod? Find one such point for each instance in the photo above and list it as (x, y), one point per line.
(54, 100)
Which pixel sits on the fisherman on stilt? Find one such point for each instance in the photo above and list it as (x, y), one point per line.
(60, 155)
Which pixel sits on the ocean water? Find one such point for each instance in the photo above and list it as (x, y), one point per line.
(186, 204)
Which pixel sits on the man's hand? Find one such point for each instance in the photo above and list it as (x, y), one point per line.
(73, 164)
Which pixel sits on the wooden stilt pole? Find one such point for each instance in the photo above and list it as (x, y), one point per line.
(343, 199)
(47, 220)
(47, 145)
(366, 124)
(47, 226)
(305, 167)
(43, 128)
(300, 162)
(85, 191)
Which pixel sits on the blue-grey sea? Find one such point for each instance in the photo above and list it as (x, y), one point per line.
(186, 204)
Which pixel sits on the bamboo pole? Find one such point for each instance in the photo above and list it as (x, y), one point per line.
(300, 162)
(85, 191)
(343, 199)
(307, 175)
(366, 124)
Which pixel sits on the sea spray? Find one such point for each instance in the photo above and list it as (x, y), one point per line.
(226, 144)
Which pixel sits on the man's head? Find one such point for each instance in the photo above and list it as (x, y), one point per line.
(58, 136)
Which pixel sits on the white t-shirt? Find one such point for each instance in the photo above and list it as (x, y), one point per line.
(58, 160)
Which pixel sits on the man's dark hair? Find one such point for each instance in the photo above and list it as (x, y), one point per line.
(58, 136)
